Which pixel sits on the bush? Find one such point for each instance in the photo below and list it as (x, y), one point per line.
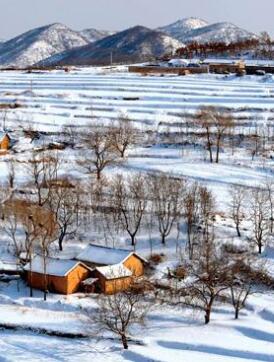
(156, 258)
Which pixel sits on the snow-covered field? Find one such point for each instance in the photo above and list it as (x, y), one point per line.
(50, 100)
(171, 334)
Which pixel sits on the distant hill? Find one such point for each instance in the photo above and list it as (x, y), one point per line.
(136, 44)
(57, 44)
(183, 27)
(37, 44)
(197, 30)
(93, 35)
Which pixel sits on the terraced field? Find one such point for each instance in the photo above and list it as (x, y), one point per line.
(53, 99)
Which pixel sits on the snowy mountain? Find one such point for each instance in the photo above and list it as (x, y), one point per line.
(93, 35)
(132, 45)
(219, 32)
(181, 28)
(194, 29)
(37, 44)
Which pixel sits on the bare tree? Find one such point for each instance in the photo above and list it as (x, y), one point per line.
(100, 151)
(122, 134)
(211, 275)
(119, 312)
(64, 204)
(259, 217)
(240, 290)
(238, 198)
(207, 211)
(167, 196)
(269, 185)
(129, 201)
(43, 172)
(215, 122)
(48, 232)
(10, 217)
(192, 216)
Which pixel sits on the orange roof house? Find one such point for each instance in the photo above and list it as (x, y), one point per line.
(62, 276)
(112, 279)
(97, 255)
(5, 141)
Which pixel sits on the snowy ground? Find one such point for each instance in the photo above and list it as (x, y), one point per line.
(50, 100)
(170, 335)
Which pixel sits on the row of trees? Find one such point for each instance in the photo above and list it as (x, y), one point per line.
(207, 49)
(258, 47)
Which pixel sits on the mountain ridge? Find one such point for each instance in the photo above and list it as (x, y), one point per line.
(134, 44)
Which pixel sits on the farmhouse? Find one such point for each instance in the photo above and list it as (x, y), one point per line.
(62, 276)
(112, 279)
(5, 141)
(96, 255)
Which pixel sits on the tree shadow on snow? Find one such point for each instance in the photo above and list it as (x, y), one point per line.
(251, 356)
(267, 315)
(256, 334)
(136, 357)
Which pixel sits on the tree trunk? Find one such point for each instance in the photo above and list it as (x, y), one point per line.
(207, 315)
(60, 245)
(132, 240)
(236, 313)
(208, 310)
(163, 239)
(124, 341)
(238, 230)
(260, 247)
(209, 148)
(30, 284)
(60, 242)
(218, 149)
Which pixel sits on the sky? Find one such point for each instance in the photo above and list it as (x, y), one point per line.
(18, 16)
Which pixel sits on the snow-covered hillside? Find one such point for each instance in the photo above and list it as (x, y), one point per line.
(197, 30)
(183, 27)
(92, 35)
(132, 45)
(219, 32)
(35, 45)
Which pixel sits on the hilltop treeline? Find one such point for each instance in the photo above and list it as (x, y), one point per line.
(262, 46)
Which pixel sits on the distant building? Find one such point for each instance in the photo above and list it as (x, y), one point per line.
(62, 276)
(97, 255)
(178, 63)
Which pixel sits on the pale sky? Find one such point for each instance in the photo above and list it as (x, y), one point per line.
(18, 16)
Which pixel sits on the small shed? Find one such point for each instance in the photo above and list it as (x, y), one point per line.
(97, 255)
(113, 279)
(62, 276)
(5, 141)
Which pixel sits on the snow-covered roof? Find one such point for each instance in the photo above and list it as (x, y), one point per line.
(103, 255)
(114, 271)
(3, 134)
(90, 281)
(54, 267)
(9, 266)
(177, 62)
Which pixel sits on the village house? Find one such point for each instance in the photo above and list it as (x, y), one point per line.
(63, 276)
(5, 141)
(97, 255)
(109, 279)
